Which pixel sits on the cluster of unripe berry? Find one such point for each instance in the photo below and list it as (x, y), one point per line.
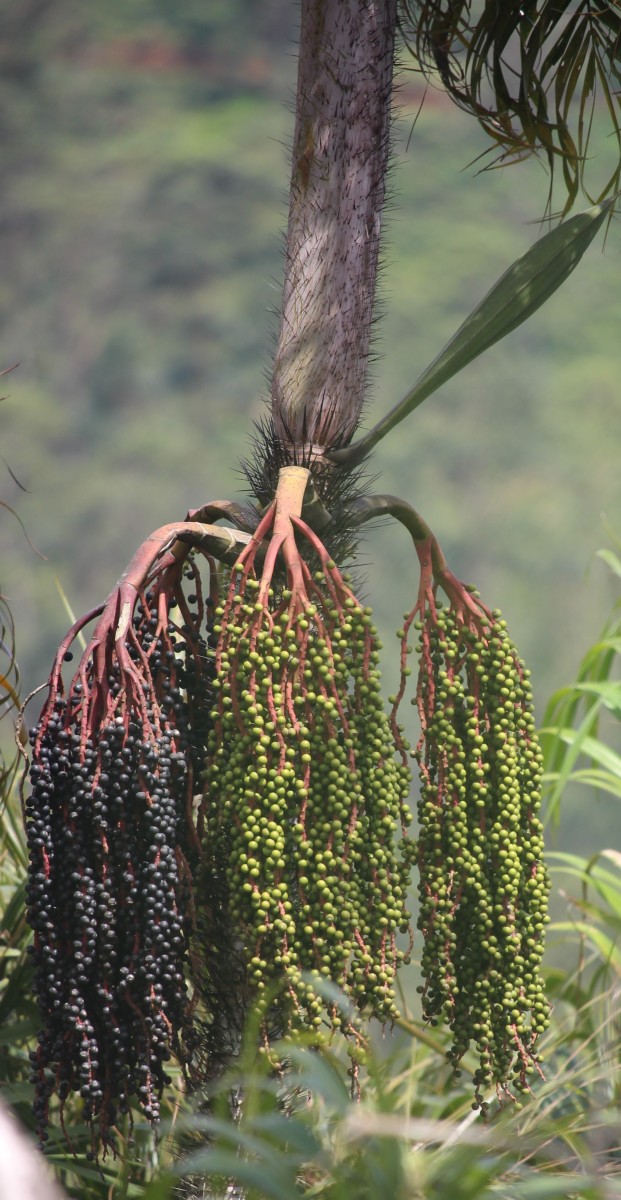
(303, 796)
(483, 885)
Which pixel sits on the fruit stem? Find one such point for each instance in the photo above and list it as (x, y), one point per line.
(292, 483)
(163, 551)
(432, 560)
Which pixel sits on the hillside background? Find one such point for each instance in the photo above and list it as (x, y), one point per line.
(142, 198)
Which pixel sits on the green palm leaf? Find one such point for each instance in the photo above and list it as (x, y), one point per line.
(533, 74)
(523, 288)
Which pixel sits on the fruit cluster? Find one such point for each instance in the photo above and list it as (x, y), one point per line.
(110, 889)
(220, 793)
(483, 885)
(303, 794)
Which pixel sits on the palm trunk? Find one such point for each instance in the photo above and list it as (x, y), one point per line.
(340, 156)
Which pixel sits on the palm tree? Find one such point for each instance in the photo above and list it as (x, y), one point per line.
(217, 787)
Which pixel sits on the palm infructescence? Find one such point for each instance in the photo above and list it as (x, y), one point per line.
(217, 792)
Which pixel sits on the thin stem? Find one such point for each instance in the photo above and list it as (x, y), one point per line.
(430, 555)
(369, 508)
(244, 516)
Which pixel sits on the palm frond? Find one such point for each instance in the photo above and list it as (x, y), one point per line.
(536, 75)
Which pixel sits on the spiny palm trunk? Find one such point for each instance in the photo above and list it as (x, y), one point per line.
(337, 192)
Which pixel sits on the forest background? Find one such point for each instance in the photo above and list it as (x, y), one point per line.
(142, 198)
